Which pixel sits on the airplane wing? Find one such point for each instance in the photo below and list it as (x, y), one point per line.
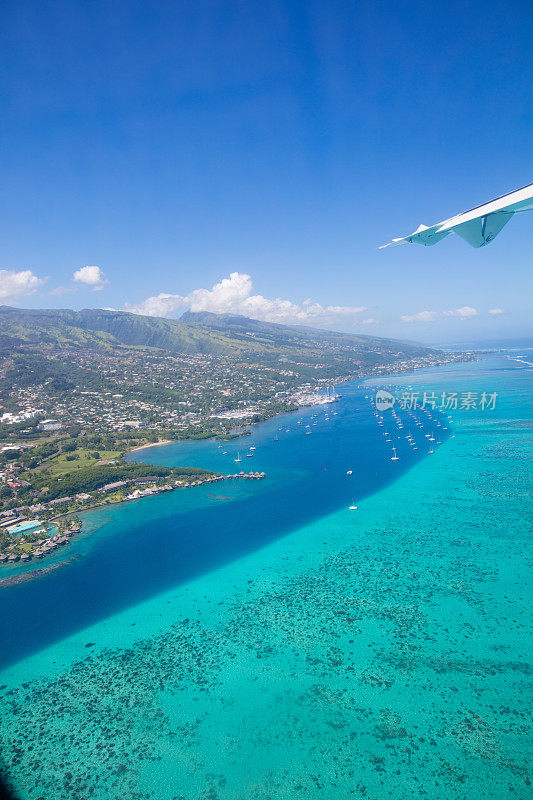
(479, 226)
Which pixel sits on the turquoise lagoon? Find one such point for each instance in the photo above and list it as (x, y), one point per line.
(259, 640)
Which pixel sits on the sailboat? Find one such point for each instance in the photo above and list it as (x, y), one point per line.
(394, 457)
(353, 507)
(238, 458)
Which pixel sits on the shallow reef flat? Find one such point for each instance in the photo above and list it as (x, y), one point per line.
(383, 653)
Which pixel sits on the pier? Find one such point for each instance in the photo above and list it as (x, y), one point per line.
(47, 546)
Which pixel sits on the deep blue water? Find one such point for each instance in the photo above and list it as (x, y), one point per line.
(140, 549)
(387, 648)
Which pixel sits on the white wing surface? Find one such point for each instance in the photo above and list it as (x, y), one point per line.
(479, 226)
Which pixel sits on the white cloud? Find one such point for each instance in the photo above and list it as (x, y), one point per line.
(159, 305)
(233, 295)
(464, 312)
(18, 284)
(430, 316)
(59, 291)
(369, 321)
(90, 276)
(422, 316)
(496, 311)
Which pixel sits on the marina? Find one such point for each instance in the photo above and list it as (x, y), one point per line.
(374, 609)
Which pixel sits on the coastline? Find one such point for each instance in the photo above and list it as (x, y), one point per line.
(69, 538)
(105, 502)
(387, 658)
(152, 444)
(388, 372)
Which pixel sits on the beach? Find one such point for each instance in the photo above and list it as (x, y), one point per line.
(152, 444)
(380, 653)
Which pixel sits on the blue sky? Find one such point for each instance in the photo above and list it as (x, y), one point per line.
(186, 145)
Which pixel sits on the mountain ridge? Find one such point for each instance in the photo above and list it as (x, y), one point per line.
(208, 318)
(194, 333)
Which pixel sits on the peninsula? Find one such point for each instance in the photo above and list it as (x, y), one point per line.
(79, 390)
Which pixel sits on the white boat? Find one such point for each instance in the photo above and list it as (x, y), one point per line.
(394, 457)
(238, 458)
(352, 508)
(349, 472)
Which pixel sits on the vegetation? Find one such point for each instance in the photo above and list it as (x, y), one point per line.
(78, 390)
(201, 333)
(88, 479)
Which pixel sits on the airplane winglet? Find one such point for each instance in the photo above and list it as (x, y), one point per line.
(479, 226)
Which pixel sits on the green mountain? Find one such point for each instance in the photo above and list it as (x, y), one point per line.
(97, 328)
(296, 336)
(194, 333)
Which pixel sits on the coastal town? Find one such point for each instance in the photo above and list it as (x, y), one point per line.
(65, 434)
